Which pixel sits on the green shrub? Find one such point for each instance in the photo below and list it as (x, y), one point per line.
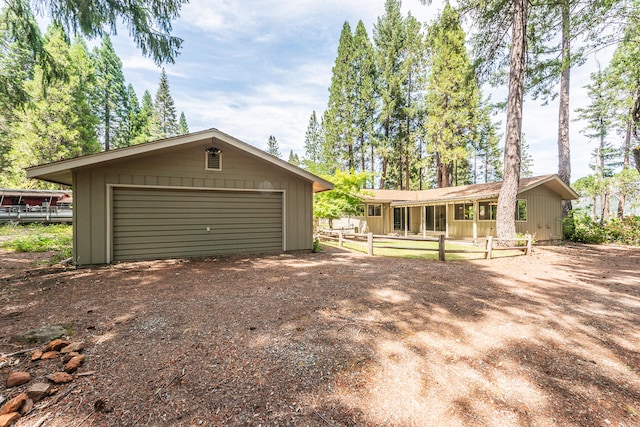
(316, 245)
(579, 227)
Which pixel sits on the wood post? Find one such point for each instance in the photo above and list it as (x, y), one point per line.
(441, 247)
(370, 244)
(340, 238)
(529, 243)
(489, 247)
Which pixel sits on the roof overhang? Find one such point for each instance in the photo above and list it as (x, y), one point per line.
(62, 172)
(477, 192)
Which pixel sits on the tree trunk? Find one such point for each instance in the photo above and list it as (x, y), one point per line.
(564, 150)
(626, 161)
(605, 207)
(621, 201)
(505, 221)
(635, 119)
(107, 122)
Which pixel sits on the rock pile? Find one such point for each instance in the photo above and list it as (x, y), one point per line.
(71, 357)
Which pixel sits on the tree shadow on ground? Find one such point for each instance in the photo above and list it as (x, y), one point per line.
(338, 338)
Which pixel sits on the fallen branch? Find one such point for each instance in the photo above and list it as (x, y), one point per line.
(42, 420)
(15, 353)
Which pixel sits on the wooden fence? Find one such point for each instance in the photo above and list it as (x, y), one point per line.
(368, 240)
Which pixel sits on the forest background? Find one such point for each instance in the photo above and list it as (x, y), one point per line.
(385, 111)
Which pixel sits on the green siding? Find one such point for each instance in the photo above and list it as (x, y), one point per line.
(184, 167)
(155, 223)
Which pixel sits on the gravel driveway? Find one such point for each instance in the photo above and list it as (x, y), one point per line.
(336, 339)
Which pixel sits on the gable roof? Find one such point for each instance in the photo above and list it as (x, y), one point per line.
(61, 172)
(468, 192)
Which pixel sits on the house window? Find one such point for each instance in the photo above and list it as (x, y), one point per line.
(360, 210)
(463, 211)
(487, 210)
(213, 161)
(521, 210)
(374, 210)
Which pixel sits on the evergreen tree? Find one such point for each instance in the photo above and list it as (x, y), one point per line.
(148, 23)
(389, 37)
(314, 158)
(272, 147)
(62, 125)
(486, 146)
(526, 164)
(339, 117)
(294, 159)
(599, 117)
(182, 125)
(165, 122)
(111, 94)
(502, 26)
(144, 120)
(16, 67)
(452, 99)
(413, 70)
(129, 127)
(623, 82)
(365, 104)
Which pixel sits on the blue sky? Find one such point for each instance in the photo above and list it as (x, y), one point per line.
(260, 67)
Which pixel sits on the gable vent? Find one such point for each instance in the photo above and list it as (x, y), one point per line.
(214, 161)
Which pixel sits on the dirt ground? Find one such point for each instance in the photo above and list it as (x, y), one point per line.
(336, 339)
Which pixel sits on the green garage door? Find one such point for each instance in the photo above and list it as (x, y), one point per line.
(159, 223)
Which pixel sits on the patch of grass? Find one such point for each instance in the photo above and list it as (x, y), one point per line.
(38, 238)
(415, 249)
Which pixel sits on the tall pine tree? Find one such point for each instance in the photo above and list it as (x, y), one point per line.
(389, 39)
(182, 124)
(62, 124)
(339, 117)
(144, 120)
(272, 147)
(452, 100)
(165, 121)
(365, 103)
(314, 158)
(111, 95)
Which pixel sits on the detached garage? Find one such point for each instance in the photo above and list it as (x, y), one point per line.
(200, 194)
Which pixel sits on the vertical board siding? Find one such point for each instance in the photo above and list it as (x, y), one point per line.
(183, 168)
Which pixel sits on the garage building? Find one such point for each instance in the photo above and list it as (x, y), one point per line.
(205, 193)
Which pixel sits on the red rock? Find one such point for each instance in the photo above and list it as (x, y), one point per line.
(73, 347)
(60, 377)
(49, 355)
(57, 345)
(18, 378)
(74, 363)
(36, 355)
(38, 391)
(14, 404)
(7, 419)
(28, 406)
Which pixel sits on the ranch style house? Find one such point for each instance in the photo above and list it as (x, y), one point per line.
(467, 211)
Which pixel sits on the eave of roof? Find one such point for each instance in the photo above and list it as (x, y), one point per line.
(61, 172)
(468, 192)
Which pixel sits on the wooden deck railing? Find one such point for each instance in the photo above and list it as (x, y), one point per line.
(367, 241)
(24, 214)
